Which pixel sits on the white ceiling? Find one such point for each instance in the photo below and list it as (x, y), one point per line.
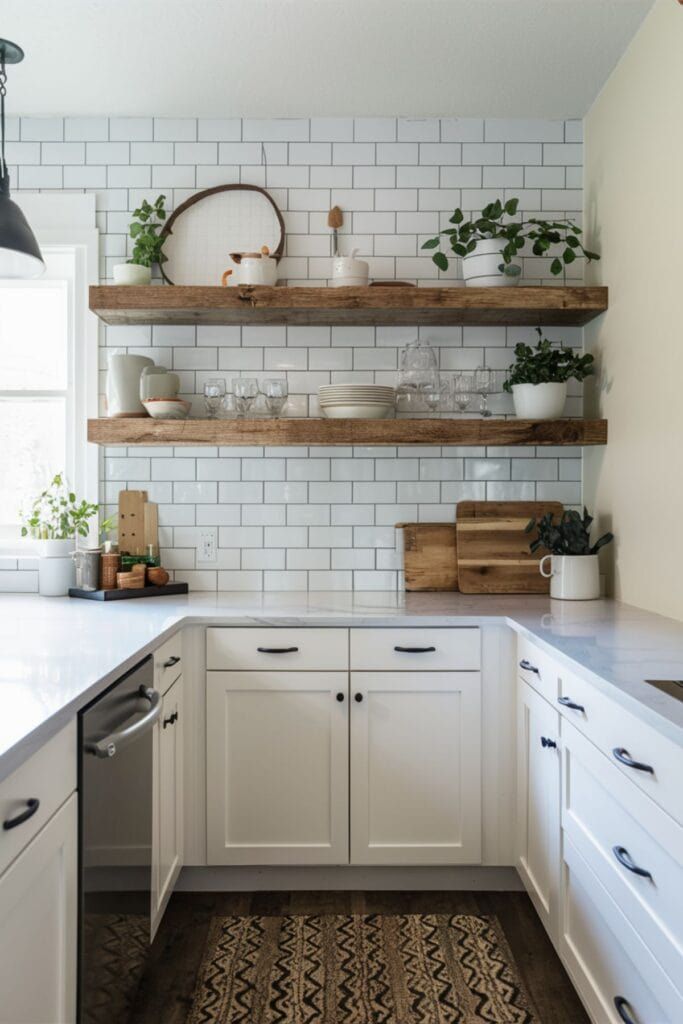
(288, 58)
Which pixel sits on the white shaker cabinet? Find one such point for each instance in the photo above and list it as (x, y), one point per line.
(538, 803)
(167, 845)
(277, 767)
(415, 768)
(38, 926)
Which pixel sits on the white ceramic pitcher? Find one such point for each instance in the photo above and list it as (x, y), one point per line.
(572, 577)
(123, 384)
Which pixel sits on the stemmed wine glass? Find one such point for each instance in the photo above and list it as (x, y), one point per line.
(483, 385)
(245, 390)
(214, 393)
(463, 387)
(275, 392)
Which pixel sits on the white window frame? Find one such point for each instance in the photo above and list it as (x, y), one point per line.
(45, 214)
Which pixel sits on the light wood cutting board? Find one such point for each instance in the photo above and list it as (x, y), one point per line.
(132, 522)
(429, 556)
(493, 549)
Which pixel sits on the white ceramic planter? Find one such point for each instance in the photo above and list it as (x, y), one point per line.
(480, 268)
(347, 271)
(539, 401)
(132, 274)
(572, 577)
(56, 569)
(123, 384)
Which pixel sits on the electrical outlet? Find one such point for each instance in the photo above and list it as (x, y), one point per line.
(206, 550)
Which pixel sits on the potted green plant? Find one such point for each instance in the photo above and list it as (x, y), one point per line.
(490, 243)
(537, 380)
(55, 520)
(144, 230)
(574, 572)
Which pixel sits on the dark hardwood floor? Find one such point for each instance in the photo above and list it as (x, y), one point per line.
(166, 990)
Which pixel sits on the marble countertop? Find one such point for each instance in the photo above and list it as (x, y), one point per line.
(57, 654)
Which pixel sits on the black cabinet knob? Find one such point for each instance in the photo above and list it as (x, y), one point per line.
(340, 698)
(358, 698)
(545, 742)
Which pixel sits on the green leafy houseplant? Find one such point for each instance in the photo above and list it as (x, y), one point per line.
(56, 514)
(145, 233)
(493, 222)
(545, 364)
(570, 535)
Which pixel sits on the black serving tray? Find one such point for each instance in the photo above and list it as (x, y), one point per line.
(124, 595)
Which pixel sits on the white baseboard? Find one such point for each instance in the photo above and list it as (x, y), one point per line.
(274, 879)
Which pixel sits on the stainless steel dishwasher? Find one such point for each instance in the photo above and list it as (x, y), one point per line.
(116, 736)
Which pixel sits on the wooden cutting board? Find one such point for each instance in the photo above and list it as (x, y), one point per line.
(429, 556)
(493, 549)
(151, 521)
(132, 522)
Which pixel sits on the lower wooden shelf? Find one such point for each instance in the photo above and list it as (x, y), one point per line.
(280, 432)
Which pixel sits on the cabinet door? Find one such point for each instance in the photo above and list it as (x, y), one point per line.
(538, 803)
(38, 912)
(277, 767)
(167, 858)
(415, 768)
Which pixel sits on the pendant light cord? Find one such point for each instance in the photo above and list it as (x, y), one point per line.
(3, 93)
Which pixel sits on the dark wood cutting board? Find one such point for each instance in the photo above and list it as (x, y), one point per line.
(493, 549)
(429, 557)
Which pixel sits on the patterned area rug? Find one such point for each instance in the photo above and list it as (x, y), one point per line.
(374, 969)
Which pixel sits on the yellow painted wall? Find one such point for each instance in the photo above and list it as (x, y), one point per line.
(634, 217)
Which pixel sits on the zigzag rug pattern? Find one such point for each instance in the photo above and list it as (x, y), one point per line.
(359, 969)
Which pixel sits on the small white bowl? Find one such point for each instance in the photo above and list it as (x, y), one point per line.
(168, 408)
(370, 411)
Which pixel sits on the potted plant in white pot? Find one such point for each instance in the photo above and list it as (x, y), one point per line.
(537, 380)
(55, 521)
(144, 231)
(574, 571)
(489, 245)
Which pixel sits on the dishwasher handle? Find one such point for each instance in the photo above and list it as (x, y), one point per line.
(108, 746)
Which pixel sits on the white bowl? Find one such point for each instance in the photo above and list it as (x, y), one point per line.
(168, 408)
(370, 411)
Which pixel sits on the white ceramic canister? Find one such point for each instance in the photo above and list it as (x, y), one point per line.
(350, 272)
(256, 268)
(56, 569)
(132, 274)
(123, 384)
(572, 577)
(157, 382)
(539, 401)
(481, 268)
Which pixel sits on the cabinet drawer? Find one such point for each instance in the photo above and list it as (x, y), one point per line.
(412, 650)
(48, 777)
(606, 958)
(168, 663)
(621, 833)
(279, 649)
(657, 763)
(537, 668)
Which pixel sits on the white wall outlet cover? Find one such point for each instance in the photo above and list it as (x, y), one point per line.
(206, 549)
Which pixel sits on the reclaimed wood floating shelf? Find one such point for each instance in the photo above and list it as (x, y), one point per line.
(445, 307)
(279, 432)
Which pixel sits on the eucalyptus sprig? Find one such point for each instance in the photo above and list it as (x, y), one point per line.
(493, 223)
(57, 514)
(145, 233)
(547, 364)
(569, 536)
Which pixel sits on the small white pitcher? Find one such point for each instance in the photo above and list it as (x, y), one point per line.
(572, 577)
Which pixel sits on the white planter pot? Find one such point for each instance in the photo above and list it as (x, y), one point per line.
(539, 401)
(132, 274)
(480, 268)
(572, 577)
(123, 384)
(56, 569)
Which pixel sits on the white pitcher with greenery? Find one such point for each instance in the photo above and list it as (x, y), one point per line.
(538, 378)
(55, 521)
(574, 572)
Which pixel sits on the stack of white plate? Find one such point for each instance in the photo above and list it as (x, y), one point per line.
(356, 401)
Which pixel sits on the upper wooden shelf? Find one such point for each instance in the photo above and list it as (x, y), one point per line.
(446, 307)
(279, 432)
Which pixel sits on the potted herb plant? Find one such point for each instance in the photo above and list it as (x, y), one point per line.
(144, 231)
(537, 380)
(55, 520)
(490, 244)
(574, 572)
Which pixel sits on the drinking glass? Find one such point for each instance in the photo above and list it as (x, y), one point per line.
(275, 392)
(483, 386)
(214, 393)
(245, 390)
(463, 386)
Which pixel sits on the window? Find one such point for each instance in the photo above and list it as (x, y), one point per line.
(48, 383)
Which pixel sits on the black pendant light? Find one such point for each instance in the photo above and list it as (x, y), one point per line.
(20, 254)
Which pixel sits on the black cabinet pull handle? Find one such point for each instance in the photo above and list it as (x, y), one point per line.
(415, 650)
(171, 661)
(528, 667)
(32, 805)
(358, 698)
(340, 698)
(545, 742)
(277, 650)
(623, 755)
(624, 1009)
(624, 858)
(567, 702)
(171, 720)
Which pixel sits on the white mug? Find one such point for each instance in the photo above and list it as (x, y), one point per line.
(157, 382)
(572, 577)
